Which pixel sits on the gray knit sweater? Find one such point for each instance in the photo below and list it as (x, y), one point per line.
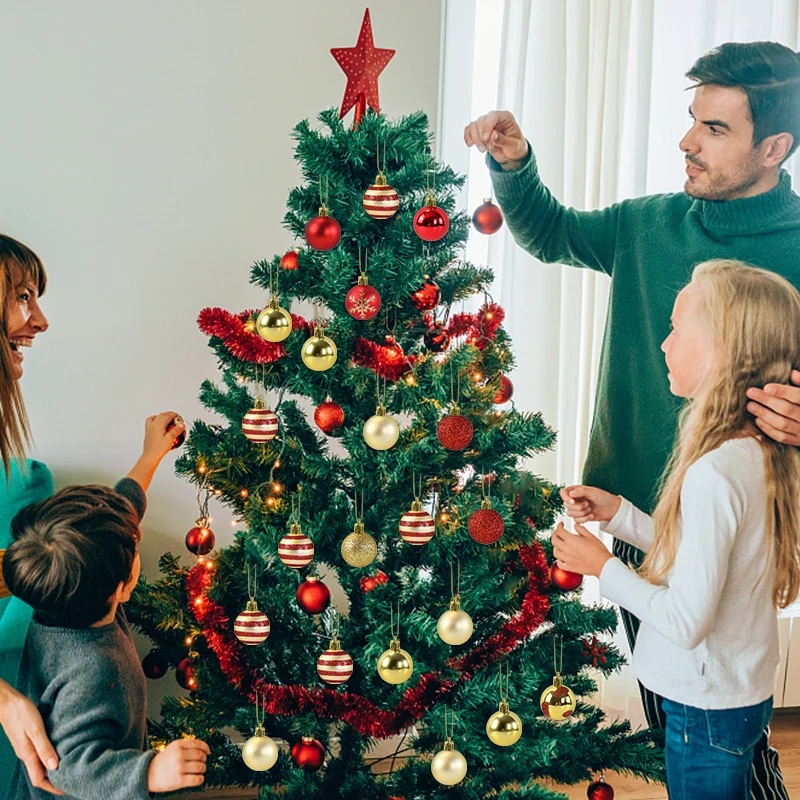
(90, 689)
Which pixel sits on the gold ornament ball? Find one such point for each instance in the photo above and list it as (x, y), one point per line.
(359, 548)
(319, 352)
(274, 324)
(504, 727)
(260, 753)
(381, 431)
(454, 627)
(557, 701)
(395, 665)
(448, 766)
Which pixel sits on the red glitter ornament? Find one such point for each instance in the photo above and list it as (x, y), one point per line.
(381, 577)
(505, 391)
(363, 301)
(436, 339)
(427, 297)
(487, 217)
(486, 525)
(329, 416)
(155, 665)
(600, 790)
(200, 539)
(308, 753)
(455, 430)
(564, 580)
(323, 232)
(290, 260)
(431, 223)
(368, 583)
(186, 674)
(313, 596)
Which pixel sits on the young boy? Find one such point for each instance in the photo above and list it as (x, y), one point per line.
(75, 560)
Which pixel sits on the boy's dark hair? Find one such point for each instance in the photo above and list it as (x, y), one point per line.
(768, 73)
(70, 553)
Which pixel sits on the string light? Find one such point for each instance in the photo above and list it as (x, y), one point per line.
(240, 379)
(202, 469)
(270, 501)
(277, 462)
(244, 493)
(411, 380)
(189, 639)
(477, 376)
(276, 487)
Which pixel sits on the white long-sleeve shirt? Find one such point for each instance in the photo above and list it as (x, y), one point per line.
(709, 634)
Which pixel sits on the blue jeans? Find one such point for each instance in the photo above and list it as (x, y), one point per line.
(710, 753)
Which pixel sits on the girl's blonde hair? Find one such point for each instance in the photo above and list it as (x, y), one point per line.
(16, 262)
(753, 323)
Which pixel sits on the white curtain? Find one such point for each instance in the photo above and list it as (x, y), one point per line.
(598, 89)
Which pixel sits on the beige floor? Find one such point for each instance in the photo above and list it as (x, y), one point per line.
(785, 737)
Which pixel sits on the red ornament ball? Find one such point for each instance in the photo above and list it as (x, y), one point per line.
(155, 665)
(290, 260)
(313, 596)
(308, 753)
(600, 790)
(200, 540)
(181, 437)
(431, 223)
(186, 674)
(488, 218)
(329, 416)
(323, 233)
(260, 425)
(436, 339)
(368, 583)
(381, 577)
(564, 580)
(362, 302)
(428, 297)
(505, 391)
(455, 432)
(486, 526)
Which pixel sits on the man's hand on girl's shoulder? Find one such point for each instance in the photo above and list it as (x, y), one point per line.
(776, 409)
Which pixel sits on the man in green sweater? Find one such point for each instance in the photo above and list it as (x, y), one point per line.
(737, 203)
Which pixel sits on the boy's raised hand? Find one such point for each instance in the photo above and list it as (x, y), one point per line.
(589, 504)
(158, 441)
(180, 765)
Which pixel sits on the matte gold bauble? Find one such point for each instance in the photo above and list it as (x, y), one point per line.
(259, 752)
(395, 665)
(557, 701)
(319, 352)
(448, 766)
(274, 323)
(455, 625)
(381, 431)
(359, 548)
(504, 727)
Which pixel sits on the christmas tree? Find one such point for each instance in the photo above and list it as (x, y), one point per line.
(404, 492)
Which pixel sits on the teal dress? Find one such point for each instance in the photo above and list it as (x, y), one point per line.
(23, 488)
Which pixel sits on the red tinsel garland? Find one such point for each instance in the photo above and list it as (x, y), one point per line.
(479, 328)
(353, 709)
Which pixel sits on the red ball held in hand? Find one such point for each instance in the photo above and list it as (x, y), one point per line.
(563, 579)
(487, 217)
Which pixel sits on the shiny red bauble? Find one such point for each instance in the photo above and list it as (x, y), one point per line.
(431, 223)
(488, 218)
(564, 580)
(200, 540)
(486, 526)
(600, 790)
(368, 583)
(454, 432)
(290, 260)
(323, 233)
(436, 339)
(186, 674)
(181, 437)
(363, 301)
(308, 753)
(505, 391)
(329, 416)
(313, 596)
(155, 665)
(427, 297)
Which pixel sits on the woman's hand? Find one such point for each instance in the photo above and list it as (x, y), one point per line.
(589, 504)
(24, 728)
(579, 552)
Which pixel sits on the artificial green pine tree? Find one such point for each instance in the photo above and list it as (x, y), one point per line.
(504, 587)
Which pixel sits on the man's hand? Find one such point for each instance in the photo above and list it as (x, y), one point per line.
(580, 551)
(776, 408)
(180, 765)
(498, 133)
(24, 728)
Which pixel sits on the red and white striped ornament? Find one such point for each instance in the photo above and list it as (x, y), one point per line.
(334, 665)
(381, 201)
(296, 550)
(260, 425)
(417, 526)
(251, 626)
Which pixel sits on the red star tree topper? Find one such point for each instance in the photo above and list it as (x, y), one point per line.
(362, 64)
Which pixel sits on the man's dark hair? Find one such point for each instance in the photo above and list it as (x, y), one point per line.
(70, 553)
(768, 73)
